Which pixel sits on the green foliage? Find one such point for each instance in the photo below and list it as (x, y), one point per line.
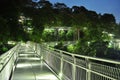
(62, 35)
(69, 35)
(88, 26)
(48, 35)
(70, 48)
(4, 47)
(59, 45)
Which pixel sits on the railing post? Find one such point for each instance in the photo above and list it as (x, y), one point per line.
(88, 72)
(74, 68)
(61, 66)
(41, 52)
(35, 50)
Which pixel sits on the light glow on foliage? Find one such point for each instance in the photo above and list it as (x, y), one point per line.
(110, 45)
(88, 43)
(12, 42)
(71, 48)
(111, 35)
(85, 28)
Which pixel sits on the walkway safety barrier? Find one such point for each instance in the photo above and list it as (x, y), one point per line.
(65, 65)
(7, 62)
(69, 66)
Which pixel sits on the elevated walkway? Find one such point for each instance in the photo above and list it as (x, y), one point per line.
(33, 61)
(30, 67)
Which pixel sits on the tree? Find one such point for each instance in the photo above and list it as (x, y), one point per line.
(62, 14)
(108, 22)
(79, 19)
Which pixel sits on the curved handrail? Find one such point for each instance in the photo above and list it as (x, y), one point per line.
(5, 58)
(89, 65)
(78, 67)
(86, 57)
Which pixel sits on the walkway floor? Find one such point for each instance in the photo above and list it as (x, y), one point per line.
(30, 67)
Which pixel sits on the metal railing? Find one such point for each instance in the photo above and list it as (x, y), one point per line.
(7, 62)
(69, 66)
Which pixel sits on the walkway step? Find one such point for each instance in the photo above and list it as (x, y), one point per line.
(30, 67)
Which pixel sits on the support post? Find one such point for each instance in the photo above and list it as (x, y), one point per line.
(74, 68)
(61, 66)
(88, 72)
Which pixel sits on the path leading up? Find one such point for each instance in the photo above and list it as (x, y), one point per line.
(30, 67)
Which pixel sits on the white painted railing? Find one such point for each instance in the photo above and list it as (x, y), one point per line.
(7, 62)
(69, 66)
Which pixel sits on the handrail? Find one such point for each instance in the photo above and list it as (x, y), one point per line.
(69, 65)
(7, 62)
(6, 55)
(88, 57)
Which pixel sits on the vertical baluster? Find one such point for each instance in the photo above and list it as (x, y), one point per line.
(74, 68)
(88, 72)
(61, 66)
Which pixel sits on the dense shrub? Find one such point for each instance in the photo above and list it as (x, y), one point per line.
(5, 47)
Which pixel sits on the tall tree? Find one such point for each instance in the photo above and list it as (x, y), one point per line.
(108, 22)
